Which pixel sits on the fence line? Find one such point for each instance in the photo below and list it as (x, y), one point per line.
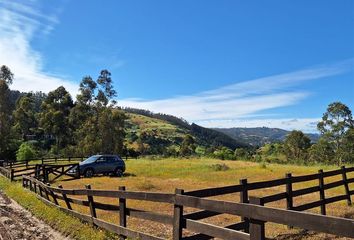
(254, 214)
(252, 211)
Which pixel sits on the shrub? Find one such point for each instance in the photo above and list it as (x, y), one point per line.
(219, 167)
(26, 151)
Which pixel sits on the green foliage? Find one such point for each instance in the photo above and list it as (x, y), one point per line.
(99, 127)
(346, 149)
(25, 116)
(322, 152)
(188, 146)
(26, 151)
(6, 78)
(335, 124)
(296, 145)
(219, 167)
(224, 153)
(54, 118)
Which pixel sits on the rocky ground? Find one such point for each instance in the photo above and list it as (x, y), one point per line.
(18, 223)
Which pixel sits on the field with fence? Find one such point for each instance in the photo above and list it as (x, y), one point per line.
(147, 193)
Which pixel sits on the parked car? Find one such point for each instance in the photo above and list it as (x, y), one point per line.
(102, 164)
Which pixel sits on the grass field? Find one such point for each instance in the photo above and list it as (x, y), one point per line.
(164, 175)
(67, 225)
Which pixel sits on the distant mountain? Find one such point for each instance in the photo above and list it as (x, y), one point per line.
(260, 135)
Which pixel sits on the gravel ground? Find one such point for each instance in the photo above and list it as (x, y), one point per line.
(18, 223)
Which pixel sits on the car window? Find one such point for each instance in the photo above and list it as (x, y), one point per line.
(111, 159)
(101, 159)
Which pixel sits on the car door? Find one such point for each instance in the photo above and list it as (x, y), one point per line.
(101, 165)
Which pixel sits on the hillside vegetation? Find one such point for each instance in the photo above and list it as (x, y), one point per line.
(260, 135)
(149, 133)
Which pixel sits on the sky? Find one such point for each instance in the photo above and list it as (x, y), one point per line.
(227, 63)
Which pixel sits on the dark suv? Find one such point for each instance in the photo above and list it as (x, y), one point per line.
(102, 164)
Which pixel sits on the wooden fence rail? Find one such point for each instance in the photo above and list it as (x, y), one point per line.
(288, 194)
(252, 211)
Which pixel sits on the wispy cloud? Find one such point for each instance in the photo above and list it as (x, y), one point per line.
(228, 105)
(20, 22)
(308, 125)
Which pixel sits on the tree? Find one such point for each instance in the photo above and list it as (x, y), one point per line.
(241, 153)
(54, 118)
(100, 125)
(346, 150)
(187, 146)
(296, 145)
(224, 153)
(6, 78)
(25, 116)
(336, 121)
(25, 152)
(322, 152)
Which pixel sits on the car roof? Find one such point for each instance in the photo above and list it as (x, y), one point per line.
(106, 155)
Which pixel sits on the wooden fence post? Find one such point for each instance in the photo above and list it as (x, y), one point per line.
(322, 192)
(40, 190)
(12, 175)
(91, 203)
(42, 160)
(26, 164)
(346, 187)
(46, 193)
(256, 229)
(177, 219)
(53, 195)
(289, 193)
(122, 212)
(66, 200)
(244, 199)
(35, 187)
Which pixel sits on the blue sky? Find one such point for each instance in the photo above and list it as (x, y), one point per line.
(230, 63)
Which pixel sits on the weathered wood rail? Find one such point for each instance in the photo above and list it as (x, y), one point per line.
(39, 167)
(254, 215)
(288, 194)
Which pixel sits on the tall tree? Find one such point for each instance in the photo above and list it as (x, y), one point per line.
(336, 121)
(6, 78)
(54, 118)
(101, 129)
(25, 115)
(322, 152)
(296, 145)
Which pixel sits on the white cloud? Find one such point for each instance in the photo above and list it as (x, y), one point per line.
(225, 106)
(19, 23)
(305, 124)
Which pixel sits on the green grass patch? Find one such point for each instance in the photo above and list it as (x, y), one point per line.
(64, 223)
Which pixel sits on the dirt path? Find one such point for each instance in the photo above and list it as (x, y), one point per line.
(18, 223)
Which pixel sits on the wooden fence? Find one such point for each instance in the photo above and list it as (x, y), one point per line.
(288, 194)
(250, 209)
(38, 167)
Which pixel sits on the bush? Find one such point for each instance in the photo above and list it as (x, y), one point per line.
(219, 167)
(26, 151)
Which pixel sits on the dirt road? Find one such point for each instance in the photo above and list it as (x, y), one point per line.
(18, 223)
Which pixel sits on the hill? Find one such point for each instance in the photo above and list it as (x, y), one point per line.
(151, 133)
(260, 135)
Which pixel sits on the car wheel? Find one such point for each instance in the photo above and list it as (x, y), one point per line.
(118, 172)
(89, 173)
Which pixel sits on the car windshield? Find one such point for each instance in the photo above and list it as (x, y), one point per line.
(91, 159)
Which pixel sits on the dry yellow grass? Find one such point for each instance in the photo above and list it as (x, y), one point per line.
(164, 175)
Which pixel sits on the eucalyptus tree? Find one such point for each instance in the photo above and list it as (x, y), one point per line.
(6, 78)
(335, 124)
